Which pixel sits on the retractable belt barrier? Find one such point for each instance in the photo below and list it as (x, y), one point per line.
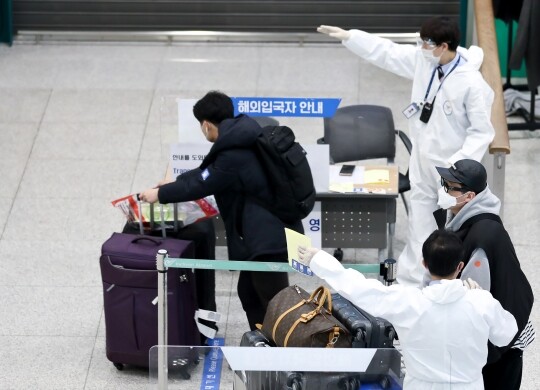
(233, 265)
(163, 261)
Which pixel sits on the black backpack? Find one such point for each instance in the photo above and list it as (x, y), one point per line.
(289, 175)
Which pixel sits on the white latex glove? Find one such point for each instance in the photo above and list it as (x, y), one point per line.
(306, 254)
(334, 32)
(471, 284)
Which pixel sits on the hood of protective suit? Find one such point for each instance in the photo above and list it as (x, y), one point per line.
(474, 56)
(483, 202)
(447, 291)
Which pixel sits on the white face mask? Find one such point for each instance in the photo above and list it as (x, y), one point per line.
(430, 57)
(446, 200)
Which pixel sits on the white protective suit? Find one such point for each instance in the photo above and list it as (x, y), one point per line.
(459, 128)
(443, 328)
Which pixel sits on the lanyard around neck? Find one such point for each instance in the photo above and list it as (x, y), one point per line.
(442, 80)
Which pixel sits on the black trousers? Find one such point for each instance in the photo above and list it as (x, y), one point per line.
(256, 289)
(506, 372)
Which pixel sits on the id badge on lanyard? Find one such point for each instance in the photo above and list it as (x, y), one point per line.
(411, 109)
(426, 107)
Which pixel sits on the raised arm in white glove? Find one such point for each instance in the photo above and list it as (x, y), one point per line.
(306, 254)
(471, 284)
(334, 32)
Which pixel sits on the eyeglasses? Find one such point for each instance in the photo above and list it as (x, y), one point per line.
(427, 43)
(448, 188)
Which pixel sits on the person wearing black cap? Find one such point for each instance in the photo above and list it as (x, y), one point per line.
(471, 210)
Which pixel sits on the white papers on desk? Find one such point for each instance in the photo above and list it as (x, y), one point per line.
(344, 184)
(341, 187)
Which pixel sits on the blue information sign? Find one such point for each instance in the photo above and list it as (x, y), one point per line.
(271, 106)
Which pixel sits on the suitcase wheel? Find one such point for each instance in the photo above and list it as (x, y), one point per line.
(294, 382)
(119, 366)
(350, 384)
(182, 365)
(385, 383)
(185, 374)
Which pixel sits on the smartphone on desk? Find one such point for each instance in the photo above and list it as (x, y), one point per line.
(347, 170)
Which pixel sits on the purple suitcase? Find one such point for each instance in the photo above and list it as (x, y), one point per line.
(128, 270)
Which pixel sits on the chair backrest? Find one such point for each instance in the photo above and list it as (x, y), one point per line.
(265, 121)
(360, 132)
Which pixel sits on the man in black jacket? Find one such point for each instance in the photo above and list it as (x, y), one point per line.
(232, 173)
(471, 210)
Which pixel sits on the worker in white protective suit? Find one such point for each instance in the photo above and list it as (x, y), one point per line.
(443, 328)
(449, 115)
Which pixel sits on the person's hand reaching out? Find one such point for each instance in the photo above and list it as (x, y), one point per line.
(334, 32)
(306, 254)
(150, 195)
(471, 284)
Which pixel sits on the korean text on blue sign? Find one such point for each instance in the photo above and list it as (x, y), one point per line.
(269, 106)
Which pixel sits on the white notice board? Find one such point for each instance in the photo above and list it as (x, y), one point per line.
(189, 129)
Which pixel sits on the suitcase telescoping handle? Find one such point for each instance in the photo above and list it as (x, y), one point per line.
(162, 217)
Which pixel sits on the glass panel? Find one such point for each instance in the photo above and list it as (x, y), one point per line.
(259, 368)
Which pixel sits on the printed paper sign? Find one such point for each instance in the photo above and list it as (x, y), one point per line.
(187, 156)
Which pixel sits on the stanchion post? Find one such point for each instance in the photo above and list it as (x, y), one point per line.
(388, 271)
(162, 320)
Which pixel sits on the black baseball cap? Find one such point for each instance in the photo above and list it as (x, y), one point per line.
(469, 173)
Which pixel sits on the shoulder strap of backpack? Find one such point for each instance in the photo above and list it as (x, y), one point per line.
(479, 217)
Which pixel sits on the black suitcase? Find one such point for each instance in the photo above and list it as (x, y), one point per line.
(256, 380)
(367, 331)
(320, 381)
(271, 380)
(255, 338)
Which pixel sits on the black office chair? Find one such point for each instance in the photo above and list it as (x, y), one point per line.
(363, 132)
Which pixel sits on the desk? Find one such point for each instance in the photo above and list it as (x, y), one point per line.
(361, 220)
(354, 220)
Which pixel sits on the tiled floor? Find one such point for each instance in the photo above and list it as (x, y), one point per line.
(83, 123)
